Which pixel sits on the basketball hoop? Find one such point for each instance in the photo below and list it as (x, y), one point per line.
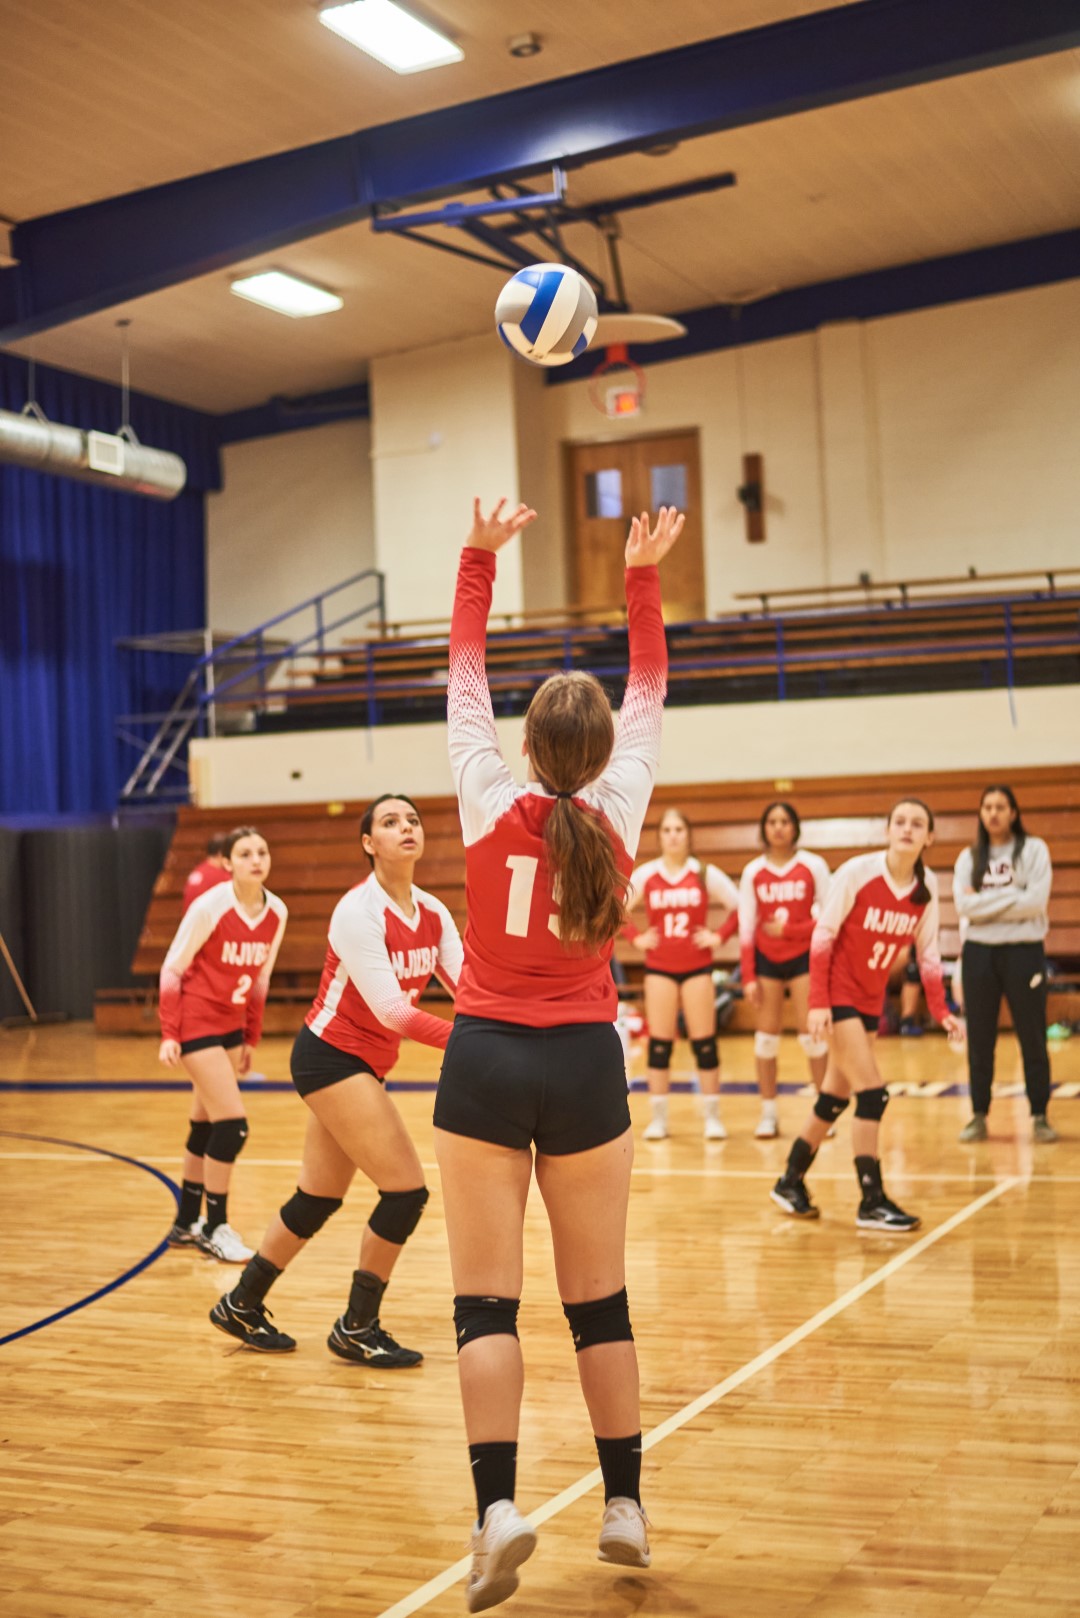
(617, 386)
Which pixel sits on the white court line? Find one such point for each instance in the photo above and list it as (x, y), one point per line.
(445, 1580)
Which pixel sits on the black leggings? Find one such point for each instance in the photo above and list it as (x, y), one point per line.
(1019, 972)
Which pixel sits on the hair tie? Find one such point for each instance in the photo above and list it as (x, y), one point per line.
(564, 794)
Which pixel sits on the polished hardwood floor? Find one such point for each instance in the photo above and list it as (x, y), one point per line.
(842, 1425)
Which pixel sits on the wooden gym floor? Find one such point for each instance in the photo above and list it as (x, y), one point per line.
(840, 1425)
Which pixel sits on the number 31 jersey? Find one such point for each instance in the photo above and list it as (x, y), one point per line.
(866, 922)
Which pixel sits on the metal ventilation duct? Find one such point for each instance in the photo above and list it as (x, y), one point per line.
(117, 461)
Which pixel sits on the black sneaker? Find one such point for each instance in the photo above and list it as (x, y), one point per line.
(881, 1214)
(251, 1326)
(186, 1235)
(793, 1197)
(372, 1346)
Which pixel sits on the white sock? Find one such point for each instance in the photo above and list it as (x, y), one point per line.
(768, 1107)
(659, 1105)
(711, 1106)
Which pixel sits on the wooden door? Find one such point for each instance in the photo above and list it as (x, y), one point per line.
(611, 482)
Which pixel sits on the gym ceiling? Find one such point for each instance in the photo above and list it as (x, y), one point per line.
(151, 152)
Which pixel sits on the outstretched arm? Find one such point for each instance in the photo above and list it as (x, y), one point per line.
(481, 778)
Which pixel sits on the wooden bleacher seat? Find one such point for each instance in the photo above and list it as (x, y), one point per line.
(316, 856)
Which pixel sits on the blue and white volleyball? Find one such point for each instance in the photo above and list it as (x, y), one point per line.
(547, 314)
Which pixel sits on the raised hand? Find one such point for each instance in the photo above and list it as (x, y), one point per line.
(492, 533)
(646, 546)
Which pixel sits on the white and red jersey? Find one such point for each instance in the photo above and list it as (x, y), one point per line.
(378, 963)
(792, 894)
(201, 880)
(516, 969)
(217, 971)
(866, 922)
(677, 905)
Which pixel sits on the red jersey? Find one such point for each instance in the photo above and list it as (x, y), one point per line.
(515, 968)
(201, 880)
(792, 894)
(866, 922)
(378, 963)
(677, 906)
(217, 971)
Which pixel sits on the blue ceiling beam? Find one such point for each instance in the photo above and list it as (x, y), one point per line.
(86, 259)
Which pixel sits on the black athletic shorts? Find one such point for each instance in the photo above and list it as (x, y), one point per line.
(562, 1088)
(315, 1064)
(797, 967)
(679, 977)
(206, 1042)
(869, 1019)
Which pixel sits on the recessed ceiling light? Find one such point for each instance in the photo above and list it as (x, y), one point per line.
(391, 35)
(286, 293)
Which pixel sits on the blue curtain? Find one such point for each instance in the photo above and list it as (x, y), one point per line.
(80, 567)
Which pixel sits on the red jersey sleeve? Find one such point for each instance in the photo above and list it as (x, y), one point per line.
(191, 935)
(622, 793)
(748, 920)
(485, 788)
(835, 911)
(361, 947)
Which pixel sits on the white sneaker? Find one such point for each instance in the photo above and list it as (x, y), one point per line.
(768, 1128)
(714, 1129)
(226, 1245)
(657, 1130)
(623, 1536)
(498, 1550)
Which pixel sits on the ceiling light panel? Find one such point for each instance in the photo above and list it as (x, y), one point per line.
(287, 294)
(391, 35)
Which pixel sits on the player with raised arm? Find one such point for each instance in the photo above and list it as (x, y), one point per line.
(877, 905)
(387, 939)
(676, 891)
(781, 894)
(534, 1059)
(213, 990)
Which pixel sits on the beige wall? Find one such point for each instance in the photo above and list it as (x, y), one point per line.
(917, 445)
(294, 517)
(960, 730)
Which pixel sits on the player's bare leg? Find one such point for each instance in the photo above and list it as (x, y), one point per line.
(699, 1013)
(214, 1073)
(817, 1059)
(661, 1016)
(586, 1195)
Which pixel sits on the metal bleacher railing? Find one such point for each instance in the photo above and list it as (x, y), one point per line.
(236, 671)
(882, 643)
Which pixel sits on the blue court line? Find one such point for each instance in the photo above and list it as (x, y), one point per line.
(128, 1275)
(740, 1087)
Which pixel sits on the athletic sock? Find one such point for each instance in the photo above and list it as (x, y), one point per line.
(800, 1157)
(659, 1105)
(768, 1108)
(256, 1279)
(620, 1462)
(217, 1211)
(711, 1106)
(191, 1195)
(365, 1296)
(868, 1172)
(494, 1470)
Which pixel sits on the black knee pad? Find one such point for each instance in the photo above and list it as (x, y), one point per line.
(828, 1108)
(397, 1213)
(600, 1320)
(706, 1054)
(484, 1317)
(660, 1053)
(226, 1140)
(306, 1215)
(199, 1136)
(872, 1103)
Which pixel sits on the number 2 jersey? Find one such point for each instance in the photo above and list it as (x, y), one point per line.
(217, 972)
(677, 906)
(793, 894)
(378, 963)
(515, 968)
(865, 923)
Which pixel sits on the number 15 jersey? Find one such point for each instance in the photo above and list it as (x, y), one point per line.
(867, 920)
(516, 969)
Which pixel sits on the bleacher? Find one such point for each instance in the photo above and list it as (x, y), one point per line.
(316, 856)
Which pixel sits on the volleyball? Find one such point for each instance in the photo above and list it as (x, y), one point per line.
(547, 314)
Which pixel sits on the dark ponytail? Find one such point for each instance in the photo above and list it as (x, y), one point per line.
(980, 848)
(569, 734)
(921, 894)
